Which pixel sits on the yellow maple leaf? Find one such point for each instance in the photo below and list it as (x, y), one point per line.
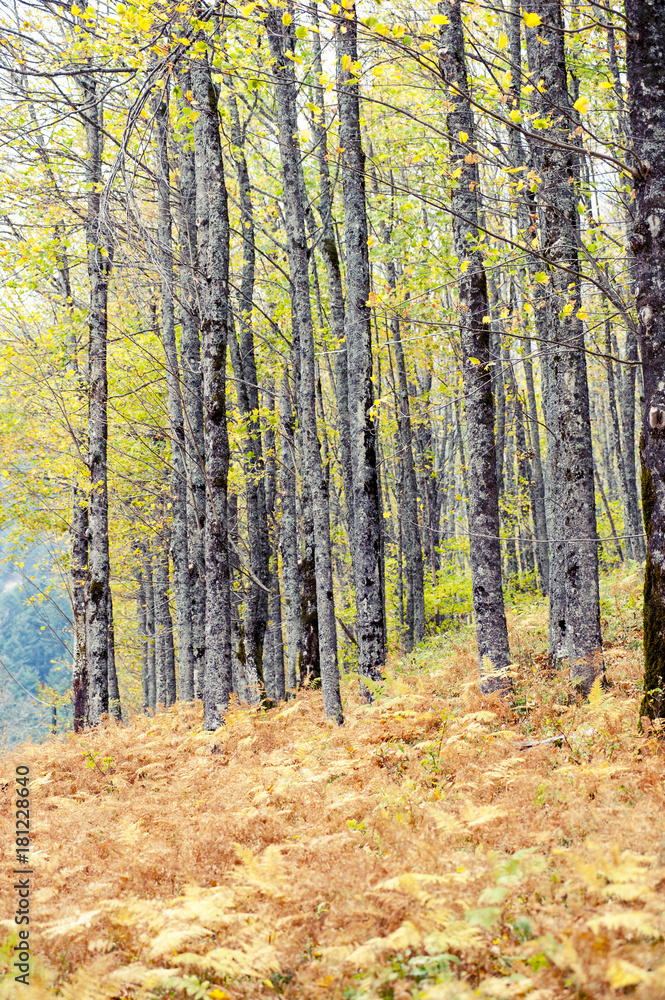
(532, 20)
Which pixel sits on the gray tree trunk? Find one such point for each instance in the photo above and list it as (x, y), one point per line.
(358, 330)
(114, 691)
(141, 620)
(415, 617)
(558, 166)
(192, 398)
(213, 261)
(274, 644)
(179, 548)
(79, 572)
(330, 255)
(99, 255)
(150, 628)
(645, 45)
(289, 538)
(485, 552)
(281, 39)
(244, 366)
(164, 647)
(635, 522)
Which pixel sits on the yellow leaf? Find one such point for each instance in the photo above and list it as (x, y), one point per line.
(438, 19)
(371, 301)
(457, 173)
(463, 137)
(463, 266)
(582, 105)
(346, 62)
(515, 115)
(503, 40)
(532, 20)
(286, 18)
(621, 974)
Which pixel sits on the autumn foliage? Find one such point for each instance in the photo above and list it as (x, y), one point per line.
(430, 848)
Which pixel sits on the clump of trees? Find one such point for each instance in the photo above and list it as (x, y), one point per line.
(311, 313)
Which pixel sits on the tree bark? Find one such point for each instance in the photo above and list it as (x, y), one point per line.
(150, 629)
(289, 538)
(244, 365)
(99, 256)
(415, 617)
(358, 331)
(179, 550)
(572, 468)
(281, 40)
(213, 260)
(142, 625)
(79, 572)
(115, 705)
(485, 552)
(164, 647)
(645, 43)
(192, 398)
(328, 247)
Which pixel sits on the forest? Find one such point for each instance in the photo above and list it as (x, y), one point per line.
(332, 398)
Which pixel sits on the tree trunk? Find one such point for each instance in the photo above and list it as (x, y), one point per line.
(244, 365)
(114, 692)
(330, 255)
(635, 522)
(192, 398)
(485, 552)
(572, 470)
(358, 330)
(409, 490)
(100, 255)
(165, 654)
(289, 539)
(213, 260)
(179, 550)
(79, 572)
(281, 39)
(645, 44)
(150, 628)
(142, 624)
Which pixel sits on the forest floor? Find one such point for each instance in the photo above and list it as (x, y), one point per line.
(438, 846)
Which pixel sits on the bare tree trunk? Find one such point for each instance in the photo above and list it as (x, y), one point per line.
(213, 260)
(358, 330)
(289, 539)
(274, 645)
(281, 41)
(79, 571)
(179, 550)
(114, 692)
(644, 59)
(334, 277)
(192, 398)
(409, 488)
(150, 628)
(100, 255)
(165, 653)
(558, 166)
(485, 552)
(141, 620)
(244, 366)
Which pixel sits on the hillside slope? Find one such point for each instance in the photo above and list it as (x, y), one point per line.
(419, 851)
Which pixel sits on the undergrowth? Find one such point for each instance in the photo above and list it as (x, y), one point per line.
(432, 848)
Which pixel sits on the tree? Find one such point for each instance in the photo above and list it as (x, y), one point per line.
(644, 48)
